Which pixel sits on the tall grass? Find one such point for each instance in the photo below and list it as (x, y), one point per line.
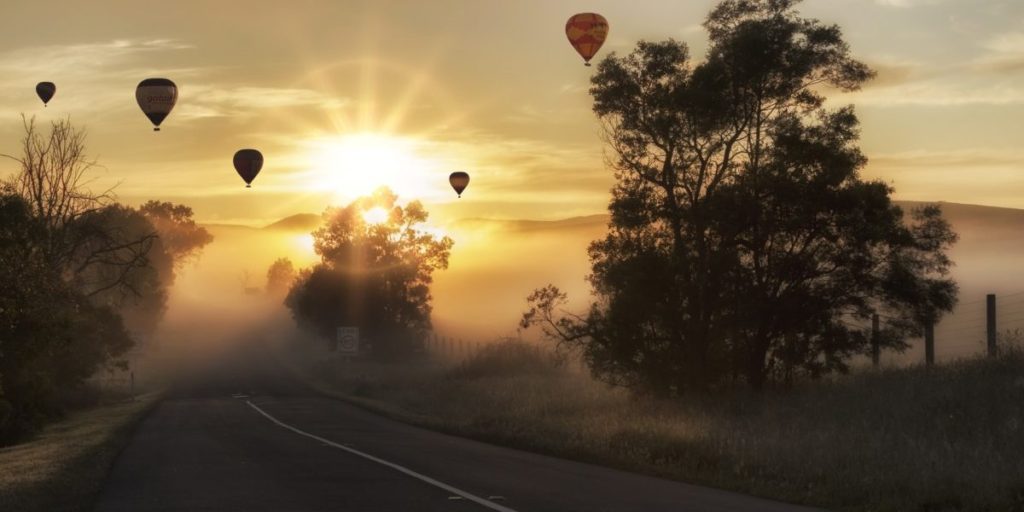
(912, 439)
(63, 467)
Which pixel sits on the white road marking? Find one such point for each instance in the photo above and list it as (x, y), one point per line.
(436, 483)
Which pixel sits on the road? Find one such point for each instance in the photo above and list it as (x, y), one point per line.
(249, 438)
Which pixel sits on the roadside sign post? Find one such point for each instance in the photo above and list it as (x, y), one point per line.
(348, 341)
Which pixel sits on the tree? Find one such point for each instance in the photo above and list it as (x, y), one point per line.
(179, 240)
(73, 261)
(53, 181)
(52, 337)
(280, 276)
(182, 238)
(373, 275)
(743, 241)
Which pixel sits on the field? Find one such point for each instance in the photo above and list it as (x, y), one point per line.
(63, 467)
(910, 439)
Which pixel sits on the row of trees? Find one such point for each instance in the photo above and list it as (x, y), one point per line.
(743, 243)
(81, 274)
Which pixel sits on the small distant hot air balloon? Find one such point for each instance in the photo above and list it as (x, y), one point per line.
(156, 97)
(459, 180)
(46, 90)
(586, 32)
(248, 163)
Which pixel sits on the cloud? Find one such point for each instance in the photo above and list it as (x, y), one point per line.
(1004, 53)
(99, 76)
(960, 159)
(938, 93)
(986, 79)
(976, 176)
(904, 4)
(213, 101)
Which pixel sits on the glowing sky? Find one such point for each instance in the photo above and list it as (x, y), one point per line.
(424, 88)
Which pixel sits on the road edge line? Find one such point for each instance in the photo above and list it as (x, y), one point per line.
(419, 476)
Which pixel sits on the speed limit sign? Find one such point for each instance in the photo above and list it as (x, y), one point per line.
(348, 340)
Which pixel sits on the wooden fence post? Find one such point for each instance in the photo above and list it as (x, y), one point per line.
(875, 348)
(929, 343)
(990, 323)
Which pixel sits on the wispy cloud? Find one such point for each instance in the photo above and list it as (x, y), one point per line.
(214, 101)
(98, 76)
(1004, 53)
(906, 3)
(989, 78)
(977, 176)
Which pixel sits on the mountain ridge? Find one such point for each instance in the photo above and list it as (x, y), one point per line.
(972, 214)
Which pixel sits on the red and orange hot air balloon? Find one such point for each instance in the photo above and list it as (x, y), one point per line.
(587, 32)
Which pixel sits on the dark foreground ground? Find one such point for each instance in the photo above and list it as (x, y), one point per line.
(244, 436)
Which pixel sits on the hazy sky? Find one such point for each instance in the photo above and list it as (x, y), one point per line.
(322, 88)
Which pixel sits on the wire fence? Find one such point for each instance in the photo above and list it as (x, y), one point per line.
(980, 325)
(450, 348)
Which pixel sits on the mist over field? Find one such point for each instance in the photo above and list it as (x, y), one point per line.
(495, 264)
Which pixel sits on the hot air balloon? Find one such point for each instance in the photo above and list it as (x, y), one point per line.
(586, 32)
(156, 97)
(459, 180)
(46, 90)
(248, 163)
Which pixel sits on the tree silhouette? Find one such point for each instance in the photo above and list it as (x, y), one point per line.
(375, 276)
(52, 337)
(76, 268)
(54, 182)
(142, 297)
(280, 276)
(182, 238)
(742, 240)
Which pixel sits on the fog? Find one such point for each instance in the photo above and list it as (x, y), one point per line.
(218, 300)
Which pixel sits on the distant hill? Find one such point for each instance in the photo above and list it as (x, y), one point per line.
(964, 217)
(970, 216)
(298, 222)
(520, 225)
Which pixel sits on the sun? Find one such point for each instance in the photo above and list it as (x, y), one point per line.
(375, 215)
(355, 165)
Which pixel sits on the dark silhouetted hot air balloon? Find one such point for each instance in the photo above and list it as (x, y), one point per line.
(459, 180)
(586, 32)
(248, 163)
(46, 90)
(156, 97)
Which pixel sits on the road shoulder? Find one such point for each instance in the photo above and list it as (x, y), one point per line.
(64, 467)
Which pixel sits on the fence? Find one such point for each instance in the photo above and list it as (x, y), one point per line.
(456, 349)
(979, 320)
(983, 321)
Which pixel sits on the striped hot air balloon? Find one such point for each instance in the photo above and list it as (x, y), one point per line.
(587, 32)
(156, 97)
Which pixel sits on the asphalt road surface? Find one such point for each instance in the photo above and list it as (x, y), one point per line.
(247, 437)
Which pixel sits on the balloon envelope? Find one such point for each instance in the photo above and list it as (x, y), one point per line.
(587, 32)
(156, 97)
(459, 180)
(248, 163)
(46, 90)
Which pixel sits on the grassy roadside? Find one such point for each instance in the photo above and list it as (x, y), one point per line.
(944, 439)
(63, 467)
